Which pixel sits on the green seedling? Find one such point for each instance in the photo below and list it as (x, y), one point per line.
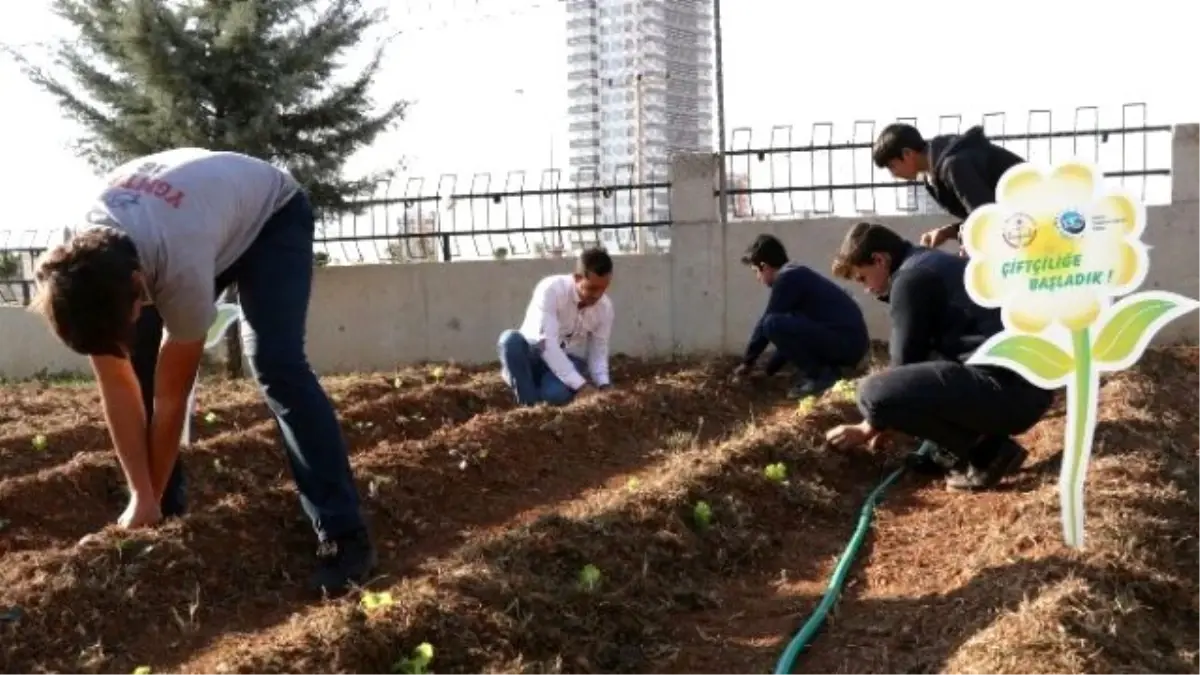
(845, 389)
(210, 418)
(141, 670)
(702, 515)
(589, 578)
(373, 601)
(632, 484)
(805, 406)
(776, 472)
(40, 442)
(418, 663)
(438, 373)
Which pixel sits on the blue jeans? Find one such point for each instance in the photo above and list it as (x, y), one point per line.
(523, 368)
(274, 281)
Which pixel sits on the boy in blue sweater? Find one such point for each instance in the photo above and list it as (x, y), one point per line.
(966, 413)
(813, 323)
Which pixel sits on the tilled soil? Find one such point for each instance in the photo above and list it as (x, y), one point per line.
(486, 516)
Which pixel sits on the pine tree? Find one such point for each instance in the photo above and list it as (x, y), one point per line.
(255, 76)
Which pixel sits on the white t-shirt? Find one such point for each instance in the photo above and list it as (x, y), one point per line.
(556, 326)
(191, 213)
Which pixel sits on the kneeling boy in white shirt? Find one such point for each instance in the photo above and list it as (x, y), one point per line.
(565, 333)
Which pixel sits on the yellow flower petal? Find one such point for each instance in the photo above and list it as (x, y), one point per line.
(1118, 211)
(1076, 178)
(983, 223)
(1018, 183)
(1027, 320)
(983, 279)
(1082, 313)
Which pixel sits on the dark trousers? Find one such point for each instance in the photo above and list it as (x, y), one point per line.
(274, 280)
(811, 346)
(957, 406)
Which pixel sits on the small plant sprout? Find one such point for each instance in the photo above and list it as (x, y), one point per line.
(439, 373)
(40, 442)
(418, 662)
(805, 406)
(776, 472)
(845, 389)
(632, 484)
(702, 515)
(374, 601)
(589, 578)
(141, 670)
(210, 418)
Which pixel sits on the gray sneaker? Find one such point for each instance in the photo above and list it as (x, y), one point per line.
(1008, 459)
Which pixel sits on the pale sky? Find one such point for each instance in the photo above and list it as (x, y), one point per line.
(488, 80)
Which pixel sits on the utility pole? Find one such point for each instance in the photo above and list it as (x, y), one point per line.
(639, 164)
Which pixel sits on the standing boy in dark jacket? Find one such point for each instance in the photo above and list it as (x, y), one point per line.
(813, 323)
(961, 170)
(968, 412)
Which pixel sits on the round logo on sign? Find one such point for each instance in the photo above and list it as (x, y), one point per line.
(1019, 230)
(1071, 223)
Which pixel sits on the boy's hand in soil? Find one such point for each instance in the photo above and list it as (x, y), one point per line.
(853, 435)
(744, 372)
(585, 392)
(141, 512)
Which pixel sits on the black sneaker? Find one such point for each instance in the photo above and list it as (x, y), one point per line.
(932, 459)
(815, 385)
(344, 562)
(1007, 458)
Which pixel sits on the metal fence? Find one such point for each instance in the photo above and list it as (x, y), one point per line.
(550, 213)
(450, 218)
(19, 251)
(825, 175)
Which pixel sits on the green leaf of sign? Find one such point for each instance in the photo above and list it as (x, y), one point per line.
(1038, 355)
(1132, 324)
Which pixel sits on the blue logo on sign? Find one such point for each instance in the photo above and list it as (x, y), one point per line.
(1071, 223)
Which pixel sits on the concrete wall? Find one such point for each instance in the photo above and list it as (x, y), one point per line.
(697, 298)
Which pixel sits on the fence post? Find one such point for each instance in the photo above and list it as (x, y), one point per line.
(446, 256)
(1185, 163)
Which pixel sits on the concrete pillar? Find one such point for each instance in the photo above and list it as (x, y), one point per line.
(1185, 163)
(698, 256)
(693, 180)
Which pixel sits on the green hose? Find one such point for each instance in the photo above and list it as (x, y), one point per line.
(788, 660)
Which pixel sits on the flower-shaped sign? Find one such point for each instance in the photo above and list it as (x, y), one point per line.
(1052, 252)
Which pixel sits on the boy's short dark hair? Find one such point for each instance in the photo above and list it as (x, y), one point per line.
(861, 244)
(894, 140)
(87, 290)
(594, 261)
(766, 249)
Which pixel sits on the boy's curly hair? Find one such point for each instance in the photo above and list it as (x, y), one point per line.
(86, 290)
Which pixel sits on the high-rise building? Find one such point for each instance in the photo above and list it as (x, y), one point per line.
(640, 78)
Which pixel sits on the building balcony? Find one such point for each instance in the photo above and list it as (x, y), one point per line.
(588, 159)
(583, 74)
(584, 109)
